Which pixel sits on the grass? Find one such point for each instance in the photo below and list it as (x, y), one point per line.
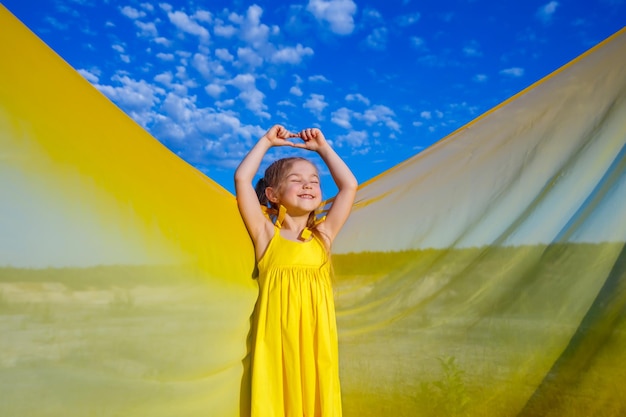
(469, 332)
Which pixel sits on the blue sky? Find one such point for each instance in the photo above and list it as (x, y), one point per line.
(383, 79)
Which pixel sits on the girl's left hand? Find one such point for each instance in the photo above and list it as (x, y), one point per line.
(313, 138)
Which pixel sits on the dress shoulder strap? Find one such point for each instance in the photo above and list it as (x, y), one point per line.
(306, 232)
(279, 215)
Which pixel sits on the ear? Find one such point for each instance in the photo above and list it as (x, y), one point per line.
(271, 195)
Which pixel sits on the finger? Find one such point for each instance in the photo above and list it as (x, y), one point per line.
(282, 132)
(306, 134)
(301, 146)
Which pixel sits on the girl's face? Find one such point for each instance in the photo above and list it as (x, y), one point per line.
(299, 190)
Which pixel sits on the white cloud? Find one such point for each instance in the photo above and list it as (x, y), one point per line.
(316, 104)
(472, 49)
(203, 16)
(186, 24)
(136, 97)
(318, 78)
(132, 13)
(56, 23)
(513, 72)
(480, 78)
(202, 136)
(380, 114)
(296, 91)
(162, 41)
(408, 19)
(214, 90)
(165, 57)
(377, 39)
(121, 50)
(169, 131)
(545, 12)
(249, 57)
(185, 78)
(418, 43)
(375, 115)
(291, 55)
(355, 139)
(180, 109)
(341, 117)
(371, 16)
(224, 55)
(147, 29)
(426, 115)
(249, 94)
(358, 97)
(89, 76)
(224, 104)
(253, 31)
(243, 81)
(164, 78)
(207, 67)
(166, 7)
(338, 14)
(224, 30)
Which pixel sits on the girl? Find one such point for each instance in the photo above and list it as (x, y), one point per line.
(295, 370)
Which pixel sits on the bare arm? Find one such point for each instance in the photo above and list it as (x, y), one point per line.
(342, 175)
(259, 227)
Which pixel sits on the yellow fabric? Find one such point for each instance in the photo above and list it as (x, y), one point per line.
(485, 276)
(295, 368)
(125, 274)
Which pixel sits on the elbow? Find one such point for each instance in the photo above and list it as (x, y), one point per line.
(241, 177)
(350, 185)
(241, 182)
(348, 188)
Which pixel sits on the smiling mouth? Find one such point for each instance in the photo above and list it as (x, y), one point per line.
(307, 196)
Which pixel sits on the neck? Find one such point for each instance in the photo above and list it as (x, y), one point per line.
(295, 223)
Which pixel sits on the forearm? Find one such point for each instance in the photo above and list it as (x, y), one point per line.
(339, 170)
(249, 166)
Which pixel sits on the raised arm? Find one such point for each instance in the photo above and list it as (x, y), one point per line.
(342, 175)
(258, 226)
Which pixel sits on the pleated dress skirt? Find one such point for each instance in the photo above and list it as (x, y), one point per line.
(295, 370)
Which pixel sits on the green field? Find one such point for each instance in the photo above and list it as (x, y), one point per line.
(472, 332)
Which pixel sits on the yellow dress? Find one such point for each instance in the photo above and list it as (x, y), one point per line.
(295, 370)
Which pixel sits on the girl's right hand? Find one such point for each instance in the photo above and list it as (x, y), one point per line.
(278, 135)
